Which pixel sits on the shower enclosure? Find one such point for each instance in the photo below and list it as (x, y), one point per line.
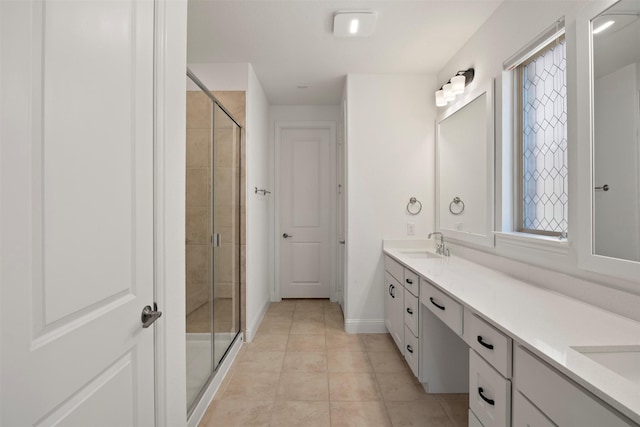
(212, 236)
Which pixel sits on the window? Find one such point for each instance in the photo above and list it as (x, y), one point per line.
(542, 141)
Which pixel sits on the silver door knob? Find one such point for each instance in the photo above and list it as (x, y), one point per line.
(286, 236)
(150, 315)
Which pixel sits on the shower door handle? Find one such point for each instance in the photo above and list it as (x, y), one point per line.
(150, 315)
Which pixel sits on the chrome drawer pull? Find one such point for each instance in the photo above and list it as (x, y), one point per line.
(484, 344)
(410, 349)
(441, 307)
(409, 310)
(486, 399)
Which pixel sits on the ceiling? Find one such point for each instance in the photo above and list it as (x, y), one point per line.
(290, 43)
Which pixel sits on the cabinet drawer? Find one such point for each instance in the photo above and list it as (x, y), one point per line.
(411, 312)
(489, 393)
(562, 401)
(411, 282)
(488, 342)
(442, 305)
(394, 268)
(525, 414)
(411, 350)
(473, 420)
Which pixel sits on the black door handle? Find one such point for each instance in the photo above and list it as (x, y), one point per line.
(409, 310)
(441, 307)
(484, 344)
(486, 399)
(409, 349)
(409, 281)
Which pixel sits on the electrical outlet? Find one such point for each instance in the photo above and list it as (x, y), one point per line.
(411, 229)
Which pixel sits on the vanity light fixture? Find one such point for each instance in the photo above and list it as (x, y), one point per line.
(455, 86)
(354, 23)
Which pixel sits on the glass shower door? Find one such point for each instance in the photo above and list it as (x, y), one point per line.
(226, 226)
(199, 252)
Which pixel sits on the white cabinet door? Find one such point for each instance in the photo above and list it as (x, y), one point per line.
(76, 198)
(394, 304)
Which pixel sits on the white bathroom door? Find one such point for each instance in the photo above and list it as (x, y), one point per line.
(76, 212)
(306, 207)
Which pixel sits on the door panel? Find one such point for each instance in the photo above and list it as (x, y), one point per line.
(307, 165)
(77, 212)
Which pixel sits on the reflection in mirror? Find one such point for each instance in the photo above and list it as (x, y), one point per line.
(616, 120)
(464, 187)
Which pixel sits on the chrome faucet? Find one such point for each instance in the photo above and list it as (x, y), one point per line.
(440, 247)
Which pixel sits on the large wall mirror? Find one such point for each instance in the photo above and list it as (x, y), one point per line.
(614, 85)
(465, 169)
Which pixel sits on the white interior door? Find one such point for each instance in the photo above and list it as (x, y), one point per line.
(76, 200)
(307, 207)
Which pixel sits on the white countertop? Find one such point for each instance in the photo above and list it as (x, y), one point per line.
(547, 323)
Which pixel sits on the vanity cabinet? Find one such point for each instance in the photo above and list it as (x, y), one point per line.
(401, 310)
(556, 398)
(393, 306)
(443, 306)
(490, 357)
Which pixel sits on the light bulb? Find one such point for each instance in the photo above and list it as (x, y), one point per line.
(448, 92)
(457, 84)
(440, 101)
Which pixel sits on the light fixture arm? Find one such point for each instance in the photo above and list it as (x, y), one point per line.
(468, 74)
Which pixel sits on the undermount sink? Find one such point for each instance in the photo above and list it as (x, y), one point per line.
(623, 360)
(418, 253)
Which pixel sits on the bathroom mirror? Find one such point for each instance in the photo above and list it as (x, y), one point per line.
(613, 197)
(465, 168)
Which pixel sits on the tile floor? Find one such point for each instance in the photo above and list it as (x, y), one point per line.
(302, 369)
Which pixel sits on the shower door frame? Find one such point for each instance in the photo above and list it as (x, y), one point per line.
(215, 242)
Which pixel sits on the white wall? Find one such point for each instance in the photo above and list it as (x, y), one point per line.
(511, 27)
(241, 76)
(390, 158)
(258, 214)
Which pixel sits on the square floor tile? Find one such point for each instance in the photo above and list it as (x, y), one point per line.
(359, 414)
(252, 386)
(348, 361)
(306, 343)
(353, 387)
(305, 361)
(303, 386)
(301, 413)
(238, 413)
(427, 413)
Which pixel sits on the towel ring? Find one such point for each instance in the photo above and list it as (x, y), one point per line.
(414, 210)
(456, 201)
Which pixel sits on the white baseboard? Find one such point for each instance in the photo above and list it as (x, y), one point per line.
(250, 331)
(365, 326)
(214, 385)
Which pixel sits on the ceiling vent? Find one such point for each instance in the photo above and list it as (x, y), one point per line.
(354, 24)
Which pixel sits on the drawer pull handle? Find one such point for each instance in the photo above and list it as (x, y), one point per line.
(391, 291)
(441, 307)
(409, 281)
(410, 349)
(409, 310)
(484, 344)
(486, 399)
